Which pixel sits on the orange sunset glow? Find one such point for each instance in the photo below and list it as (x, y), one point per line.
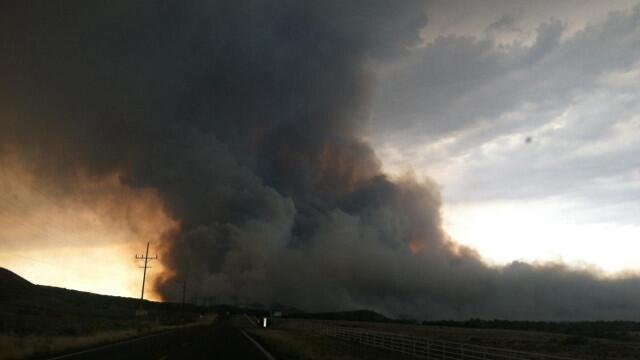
(86, 241)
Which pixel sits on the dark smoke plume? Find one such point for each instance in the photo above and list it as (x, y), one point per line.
(246, 117)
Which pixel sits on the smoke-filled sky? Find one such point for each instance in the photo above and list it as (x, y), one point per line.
(436, 159)
(526, 114)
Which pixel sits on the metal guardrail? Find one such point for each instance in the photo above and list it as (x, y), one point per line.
(420, 347)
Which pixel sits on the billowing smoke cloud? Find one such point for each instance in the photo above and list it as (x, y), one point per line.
(246, 118)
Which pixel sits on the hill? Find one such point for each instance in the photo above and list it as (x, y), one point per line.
(357, 315)
(13, 285)
(26, 308)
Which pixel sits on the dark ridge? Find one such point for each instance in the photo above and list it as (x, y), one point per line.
(13, 285)
(233, 309)
(285, 309)
(27, 308)
(357, 315)
(257, 309)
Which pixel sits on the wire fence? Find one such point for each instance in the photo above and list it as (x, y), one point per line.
(419, 347)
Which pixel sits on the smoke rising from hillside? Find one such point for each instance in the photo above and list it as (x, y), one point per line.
(246, 118)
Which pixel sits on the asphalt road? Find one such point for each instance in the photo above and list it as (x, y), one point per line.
(220, 340)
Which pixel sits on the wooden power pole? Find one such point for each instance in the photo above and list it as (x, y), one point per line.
(146, 259)
(184, 298)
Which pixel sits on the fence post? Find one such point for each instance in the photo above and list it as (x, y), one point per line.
(444, 351)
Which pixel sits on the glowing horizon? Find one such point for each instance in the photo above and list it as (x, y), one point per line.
(543, 232)
(84, 241)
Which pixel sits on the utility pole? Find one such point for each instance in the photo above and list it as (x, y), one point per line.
(146, 259)
(184, 292)
(184, 297)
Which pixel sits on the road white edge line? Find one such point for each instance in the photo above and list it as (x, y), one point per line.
(264, 351)
(250, 319)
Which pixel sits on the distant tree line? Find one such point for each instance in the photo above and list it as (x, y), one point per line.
(618, 330)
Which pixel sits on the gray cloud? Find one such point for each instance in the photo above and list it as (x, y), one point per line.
(477, 92)
(506, 23)
(457, 81)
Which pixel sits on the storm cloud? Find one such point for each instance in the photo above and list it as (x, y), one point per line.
(247, 118)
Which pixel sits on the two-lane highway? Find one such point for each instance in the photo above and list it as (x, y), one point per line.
(220, 340)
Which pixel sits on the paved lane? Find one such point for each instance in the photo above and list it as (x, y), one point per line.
(221, 340)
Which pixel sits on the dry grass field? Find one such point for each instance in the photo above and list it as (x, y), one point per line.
(287, 344)
(579, 347)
